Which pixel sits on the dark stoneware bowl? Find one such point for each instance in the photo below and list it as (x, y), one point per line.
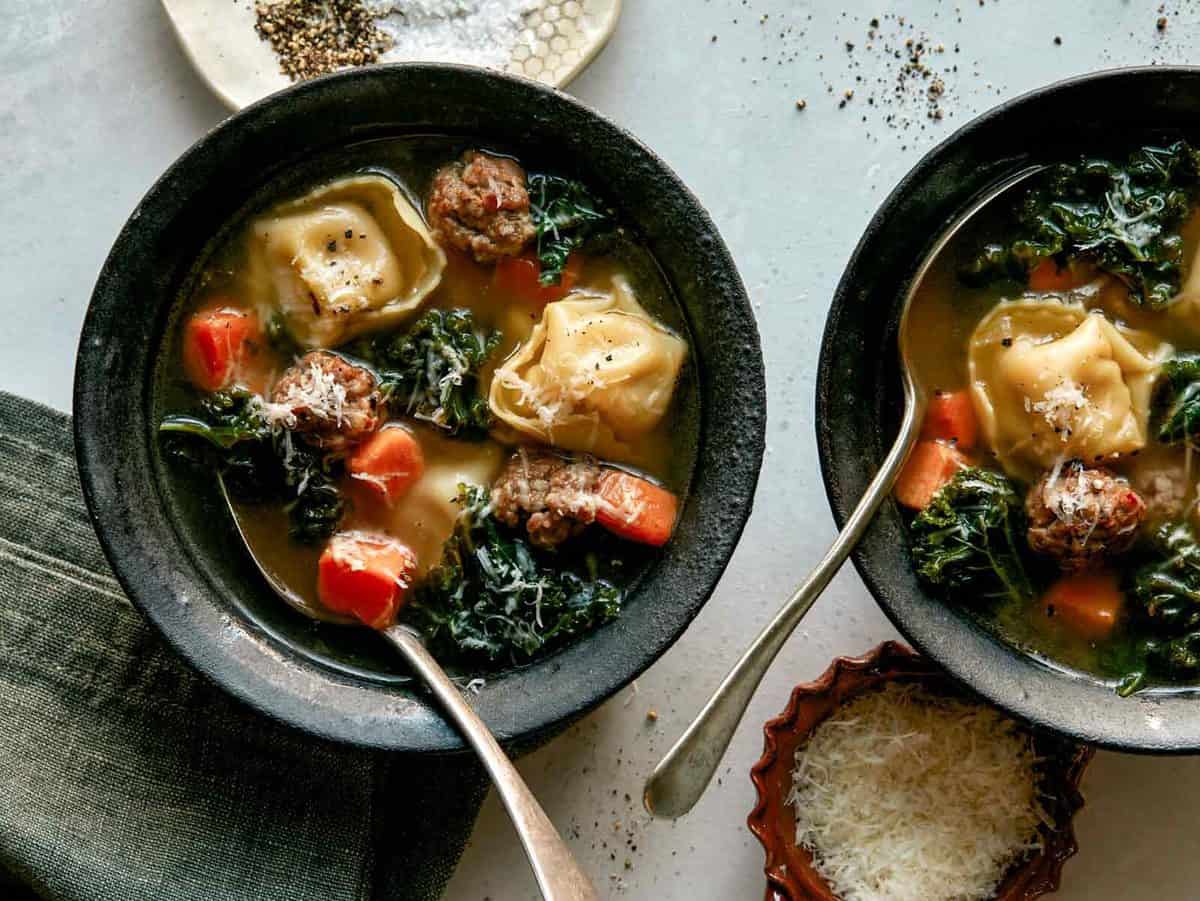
(177, 556)
(858, 389)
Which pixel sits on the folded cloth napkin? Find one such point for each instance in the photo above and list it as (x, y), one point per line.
(126, 776)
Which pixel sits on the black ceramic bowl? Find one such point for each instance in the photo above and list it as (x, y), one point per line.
(859, 400)
(180, 562)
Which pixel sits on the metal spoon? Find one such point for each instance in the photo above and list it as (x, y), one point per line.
(682, 775)
(559, 876)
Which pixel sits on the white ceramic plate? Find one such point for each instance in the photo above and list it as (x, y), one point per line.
(559, 39)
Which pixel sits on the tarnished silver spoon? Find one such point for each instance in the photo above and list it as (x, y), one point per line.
(558, 874)
(682, 775)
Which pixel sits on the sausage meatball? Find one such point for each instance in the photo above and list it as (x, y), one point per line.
(332, 402)
(557, 495)
(481, 205)
(1081, 516)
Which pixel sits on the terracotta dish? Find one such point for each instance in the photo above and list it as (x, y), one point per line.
(789, 869)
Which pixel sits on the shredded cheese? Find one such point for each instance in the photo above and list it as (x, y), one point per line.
(902, 795)
(1060, 407)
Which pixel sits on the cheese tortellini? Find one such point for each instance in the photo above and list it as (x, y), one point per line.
(1052, 381)
(350, 257)
(596, 373)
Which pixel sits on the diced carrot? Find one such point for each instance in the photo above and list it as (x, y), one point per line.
(215, 341)
(365, 575)
(1088, 603)
(931, 465)
(1049, 276)
(390, 462)
(519, 277)
(635, 509)
(951, 417)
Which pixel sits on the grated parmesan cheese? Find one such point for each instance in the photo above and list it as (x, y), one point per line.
(1060, 405)
(902, 795)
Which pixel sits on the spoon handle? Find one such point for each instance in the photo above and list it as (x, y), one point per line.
(682, 775)
(558, 874)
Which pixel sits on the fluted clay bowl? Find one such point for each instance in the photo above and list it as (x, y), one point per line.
(789, 868)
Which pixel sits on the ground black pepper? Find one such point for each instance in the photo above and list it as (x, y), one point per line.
(312, 37)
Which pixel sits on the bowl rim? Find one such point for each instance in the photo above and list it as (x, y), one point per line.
(248, 663)
(1141, 730)
(889, 661)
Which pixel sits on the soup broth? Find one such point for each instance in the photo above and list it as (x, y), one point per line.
(373, 270)
(1053, 376)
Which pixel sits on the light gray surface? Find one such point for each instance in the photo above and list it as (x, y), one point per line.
(95, 100)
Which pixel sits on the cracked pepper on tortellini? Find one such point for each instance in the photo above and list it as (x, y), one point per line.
(596, 373)
(351, 257)
(1051, 381)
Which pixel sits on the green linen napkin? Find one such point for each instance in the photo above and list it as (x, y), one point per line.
(126, 776)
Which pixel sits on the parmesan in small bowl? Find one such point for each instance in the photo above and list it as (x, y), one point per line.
(882, 780)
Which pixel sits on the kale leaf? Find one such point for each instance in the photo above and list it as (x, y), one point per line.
(226, 418)
(1178, 399)
(970, 540)
(565, 213)
(493, 596)
(259, 463)
(1164, 600)
(313, 502)
(1166, 588)
(1123, 217)
(431, 372)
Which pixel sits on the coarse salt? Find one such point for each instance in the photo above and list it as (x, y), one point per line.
(474, 32)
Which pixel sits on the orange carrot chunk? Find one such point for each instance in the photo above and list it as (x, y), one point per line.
(214, 344)
(520, 277)
(365, 575)
(1088, 603)
(1048, 276)
(951, 417)
(390, 462)
(635, 509)
(930, 466)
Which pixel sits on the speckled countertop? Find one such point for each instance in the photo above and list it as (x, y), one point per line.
(101, 89)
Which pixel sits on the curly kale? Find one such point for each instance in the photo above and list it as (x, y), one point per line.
(970, 540)
(259, 463)
(1123, 217)
(313, 502)
(494, 596)
(431, 372)
(1166, 588)
(565, 214)
(1178, 399)
(225, 419)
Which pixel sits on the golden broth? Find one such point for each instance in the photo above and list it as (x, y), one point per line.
(945, 314)
(423, 519)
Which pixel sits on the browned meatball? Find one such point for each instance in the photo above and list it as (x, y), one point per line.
(332, 402)
(481, 205)
(1083, 516)
(558, 495)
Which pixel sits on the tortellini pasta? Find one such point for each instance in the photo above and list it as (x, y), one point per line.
(350, 257)
(1052, 382)
(596, 373)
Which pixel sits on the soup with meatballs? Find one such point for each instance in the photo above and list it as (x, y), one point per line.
(443, 388)
(1054, 488)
